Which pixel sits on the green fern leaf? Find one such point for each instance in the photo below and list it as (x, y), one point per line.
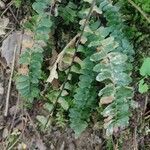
(84, 99)
(113, 69)
(27, 85)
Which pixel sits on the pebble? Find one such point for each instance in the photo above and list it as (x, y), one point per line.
(2, 5)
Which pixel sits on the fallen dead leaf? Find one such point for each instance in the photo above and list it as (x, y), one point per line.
(3, 24)
(22, 146)
(77, 60)
(16, 39)
(106, 100)
(62, 147)
(53, 74)
(20, 126)
(65, 62)
(27, 42)
(53, 58)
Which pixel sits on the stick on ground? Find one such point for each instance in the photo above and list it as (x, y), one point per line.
(9, 84)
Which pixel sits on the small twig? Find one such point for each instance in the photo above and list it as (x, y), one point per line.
(9, 84)
(145, 107)
(143, 118)
(114, 143)
(14, 116)
(6, 8)
(146, 102)
(7, 35)
(148, 112)
(147, 117)
(14, 15)
(140, 10)
(76, 48)
(135, 143)
(45, 88)
(37, 133)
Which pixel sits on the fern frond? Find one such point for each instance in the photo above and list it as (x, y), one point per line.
(113, 68)
(112, 72)
(84, 99)
(27, 84)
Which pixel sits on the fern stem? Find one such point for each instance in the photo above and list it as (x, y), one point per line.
(9, 84)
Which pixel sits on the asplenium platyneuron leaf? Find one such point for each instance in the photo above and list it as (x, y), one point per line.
(32, 58)
(40, 5)
(113, 55)
(45, 22)
(84, 98)
(23, 85)
(107, 90)
(105, 46)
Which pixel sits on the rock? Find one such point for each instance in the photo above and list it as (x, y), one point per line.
(62, 147)
(71, 146)
(52, 146)
(14, 110)
(5, 133)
